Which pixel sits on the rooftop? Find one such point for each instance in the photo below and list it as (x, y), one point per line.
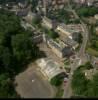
(69, 41)
(47, 19)
(50, 67)
(72, 28)
(60, 45)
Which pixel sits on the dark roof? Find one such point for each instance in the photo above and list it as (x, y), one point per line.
(22, 12)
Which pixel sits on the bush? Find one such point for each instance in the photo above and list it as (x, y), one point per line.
(87, 11)
(56, 81)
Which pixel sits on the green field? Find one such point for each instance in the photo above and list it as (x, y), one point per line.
(92, 52)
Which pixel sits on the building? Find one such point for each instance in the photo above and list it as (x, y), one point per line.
(30, 16)
(84, 2)
(95, 3)
(70, 42)
(37, 37)
(47, 5)
(90, 73)
(59, 48)
(58, 4)
(49, 68)
(96, 30)
(22, 3)
(48, 23)
(89, 2)
(22, 12)
(79, 1)
(69, 30)
(96, 16)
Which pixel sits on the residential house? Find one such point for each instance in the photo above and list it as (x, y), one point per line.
(96, 30)
(37, 37)
(48, 23)
(22, 12)
(96, 17)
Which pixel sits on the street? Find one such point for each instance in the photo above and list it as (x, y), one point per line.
(81, 54)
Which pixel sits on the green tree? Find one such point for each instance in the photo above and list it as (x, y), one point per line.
(6, 87)
(56, 81)
(23, 48)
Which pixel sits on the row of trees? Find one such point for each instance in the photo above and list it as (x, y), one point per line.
(87, 11)
(82, 86)
(16, 50)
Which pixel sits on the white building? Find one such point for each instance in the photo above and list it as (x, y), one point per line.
(96, 16)
(49, 68)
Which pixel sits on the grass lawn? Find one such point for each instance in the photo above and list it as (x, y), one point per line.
(59, 93)
(92, 52)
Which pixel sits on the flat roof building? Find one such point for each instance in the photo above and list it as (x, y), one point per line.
(48, 23)
(49, 67)
(59, 47)
(69, 29)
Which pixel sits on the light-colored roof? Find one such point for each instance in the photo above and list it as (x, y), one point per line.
(71, 28)
(96, 16)
(47, 19)
(58, 44)
(70, 41)
(50, 67)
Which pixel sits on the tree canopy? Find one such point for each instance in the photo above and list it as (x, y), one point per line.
(16, 50)
(87, 11)
(82, 86)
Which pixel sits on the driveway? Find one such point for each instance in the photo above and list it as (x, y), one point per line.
(31, 84)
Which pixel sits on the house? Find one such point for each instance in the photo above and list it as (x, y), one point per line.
(69, 30)
(47, 5)
(84, 2)
(58, 4)
(30, 16)
(22, 13)
(96, 16)
(37, 37)
(48, 23)
(22, 3)
(95, 3)
(90, 73)
(49, 68)
(96, 30)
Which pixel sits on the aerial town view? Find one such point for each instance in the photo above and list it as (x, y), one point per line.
(49, 49)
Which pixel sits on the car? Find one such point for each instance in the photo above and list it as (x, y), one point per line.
(65, 80)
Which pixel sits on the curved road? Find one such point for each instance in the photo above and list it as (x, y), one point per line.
(81, 55)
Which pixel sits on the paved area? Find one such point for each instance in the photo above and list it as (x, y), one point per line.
(31, 84)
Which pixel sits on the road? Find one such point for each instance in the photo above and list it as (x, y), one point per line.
(81, 55)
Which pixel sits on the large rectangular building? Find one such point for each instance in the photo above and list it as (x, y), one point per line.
(61, 49)
(69, 29)
(49, 68)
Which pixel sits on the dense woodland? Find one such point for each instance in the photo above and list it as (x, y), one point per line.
(16, 51)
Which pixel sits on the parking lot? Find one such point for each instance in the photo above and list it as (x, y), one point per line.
(32, 84)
